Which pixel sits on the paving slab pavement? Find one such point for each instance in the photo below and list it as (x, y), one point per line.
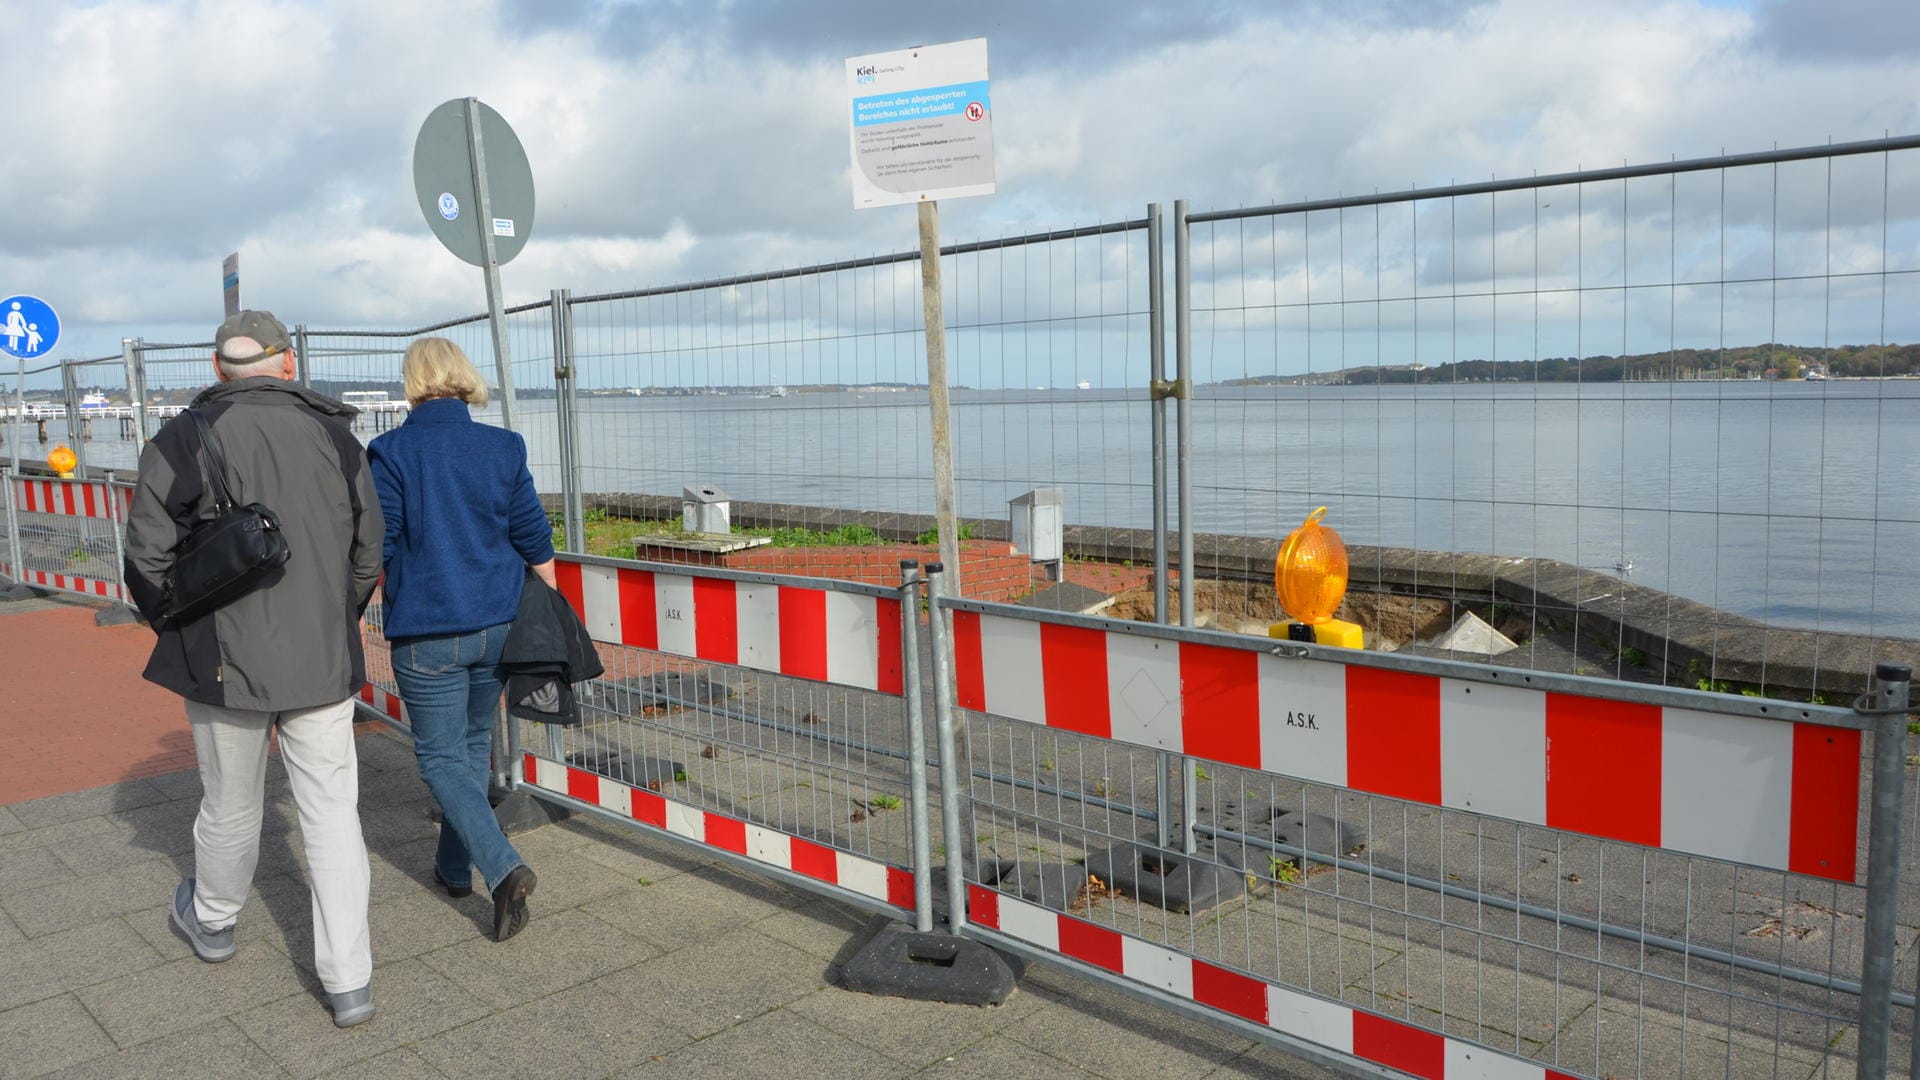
(642, 959)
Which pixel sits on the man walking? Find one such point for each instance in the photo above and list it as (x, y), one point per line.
(286, 656)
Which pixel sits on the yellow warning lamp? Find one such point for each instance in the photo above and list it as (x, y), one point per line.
(1310, 575)
(62, 460)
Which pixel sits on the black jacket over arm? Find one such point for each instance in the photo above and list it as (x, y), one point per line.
(547, 651)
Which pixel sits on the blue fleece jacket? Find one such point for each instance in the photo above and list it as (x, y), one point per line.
(463, 521)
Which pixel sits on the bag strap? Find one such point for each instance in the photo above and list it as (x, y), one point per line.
(212, 462)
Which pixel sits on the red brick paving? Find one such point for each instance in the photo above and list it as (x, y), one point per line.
(74, 711)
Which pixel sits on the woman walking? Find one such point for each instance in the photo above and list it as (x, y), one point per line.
(463, 525)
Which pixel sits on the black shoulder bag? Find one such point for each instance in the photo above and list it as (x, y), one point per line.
(226, 558)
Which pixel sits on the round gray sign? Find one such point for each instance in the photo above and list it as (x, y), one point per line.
(443, 181)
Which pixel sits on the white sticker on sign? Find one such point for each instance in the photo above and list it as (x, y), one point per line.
(449, 206)
(502, 226)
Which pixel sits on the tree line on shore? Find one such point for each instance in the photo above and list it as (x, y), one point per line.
(1742, 362)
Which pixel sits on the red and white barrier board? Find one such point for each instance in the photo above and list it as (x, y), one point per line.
(1361, 1034)
(388, 704)
(72, 498)
(1776, 794)
(827, 635)
(866, 877)
(111, 590)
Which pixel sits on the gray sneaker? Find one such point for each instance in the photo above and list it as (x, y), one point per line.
(212, 946)
(351, 1007)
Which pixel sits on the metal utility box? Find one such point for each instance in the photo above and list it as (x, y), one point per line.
(704, 509)
(1035, 524)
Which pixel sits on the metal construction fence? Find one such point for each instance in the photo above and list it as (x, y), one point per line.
(1655, 422)
(1420, 863)
(1407, 866)
(1656, 426)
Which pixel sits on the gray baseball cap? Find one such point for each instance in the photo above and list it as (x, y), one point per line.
(261, 326)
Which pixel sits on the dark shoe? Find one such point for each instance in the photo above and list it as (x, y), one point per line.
(213, 946)
(458, 892)
(351, 1007)
(510, 902)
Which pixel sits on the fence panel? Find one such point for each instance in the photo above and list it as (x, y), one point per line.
(65, 535)
(756, 715)
(174, 374)
(1421, 863)
(367, 362)
(1670, 402)
(802, 395)
(72, 403)
(33, 412)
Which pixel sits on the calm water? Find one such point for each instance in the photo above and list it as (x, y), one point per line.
(1797, 503)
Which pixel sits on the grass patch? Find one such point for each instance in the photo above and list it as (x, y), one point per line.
(844, 536)
(932, 536)
(1284, 871)
(616, 536)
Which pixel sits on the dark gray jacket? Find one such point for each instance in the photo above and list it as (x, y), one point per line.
(294, 643)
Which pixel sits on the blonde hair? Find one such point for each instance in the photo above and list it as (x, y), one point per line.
(436, 368)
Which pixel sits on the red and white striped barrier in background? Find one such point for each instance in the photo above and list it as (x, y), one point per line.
(1776, 794)
(72, 498)
(111, 590)
(1361, 1034)
(382, 702)
(866, 877)
(826, 635)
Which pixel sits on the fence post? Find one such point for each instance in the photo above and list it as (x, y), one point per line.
(1158, 388)
(916, 745)
(567, 420)
(135, 363)
(955, 776)
(117, 526)
(19, 411)
(1183, 411)
(1886, 702)
(13, 530)
(302, 370)
(71, 388)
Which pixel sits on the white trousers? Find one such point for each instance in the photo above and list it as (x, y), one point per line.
(323, 770)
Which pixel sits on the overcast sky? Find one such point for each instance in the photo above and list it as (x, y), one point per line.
(674, 141)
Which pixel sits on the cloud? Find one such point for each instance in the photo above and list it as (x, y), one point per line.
(679, 141)
(1839, 29)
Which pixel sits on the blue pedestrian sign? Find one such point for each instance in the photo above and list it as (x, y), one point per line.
(28, 327)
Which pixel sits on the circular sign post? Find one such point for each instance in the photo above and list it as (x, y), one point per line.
(29, 327)
(475, 188)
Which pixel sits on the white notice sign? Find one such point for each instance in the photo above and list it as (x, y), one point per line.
(922, 124)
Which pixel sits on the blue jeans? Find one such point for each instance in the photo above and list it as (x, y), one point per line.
(451, 684)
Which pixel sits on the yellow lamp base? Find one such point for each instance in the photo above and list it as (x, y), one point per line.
(1336, 633)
